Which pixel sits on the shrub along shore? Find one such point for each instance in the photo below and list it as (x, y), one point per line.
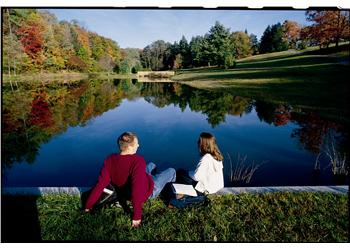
(68, 76)
(266, 217)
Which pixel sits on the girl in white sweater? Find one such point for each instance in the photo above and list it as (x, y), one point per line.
(209, 171)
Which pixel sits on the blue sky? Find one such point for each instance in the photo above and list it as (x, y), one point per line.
(139, 28)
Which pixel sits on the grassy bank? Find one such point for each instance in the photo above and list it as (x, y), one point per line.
(286, 69)
(298, 67)
(308, 79)
(278, 217)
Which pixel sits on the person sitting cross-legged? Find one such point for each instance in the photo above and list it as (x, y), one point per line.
(129, 173)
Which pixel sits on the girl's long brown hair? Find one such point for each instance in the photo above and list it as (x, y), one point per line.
(207, 145)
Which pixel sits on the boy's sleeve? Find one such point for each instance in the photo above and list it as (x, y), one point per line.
(138, 188)
(103, 180)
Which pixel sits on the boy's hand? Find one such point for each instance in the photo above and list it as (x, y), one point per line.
(136, 223)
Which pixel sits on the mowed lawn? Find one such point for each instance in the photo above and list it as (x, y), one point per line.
(274, 68)
(269, 217)
(310, 78)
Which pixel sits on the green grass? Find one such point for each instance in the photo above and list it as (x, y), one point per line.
(278, 217)
(275, 68)
(309, 79)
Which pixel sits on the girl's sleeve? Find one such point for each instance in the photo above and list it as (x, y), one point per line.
(201, 170)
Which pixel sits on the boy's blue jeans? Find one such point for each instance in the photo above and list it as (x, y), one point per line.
(168, 175)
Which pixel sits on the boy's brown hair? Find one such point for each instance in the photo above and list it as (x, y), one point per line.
(126, 139)
(207, 145)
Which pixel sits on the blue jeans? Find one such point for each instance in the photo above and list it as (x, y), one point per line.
(168, 175)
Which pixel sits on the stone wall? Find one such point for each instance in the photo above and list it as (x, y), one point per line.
(227, 190)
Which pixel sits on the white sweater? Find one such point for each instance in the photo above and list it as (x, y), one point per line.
(209, 174)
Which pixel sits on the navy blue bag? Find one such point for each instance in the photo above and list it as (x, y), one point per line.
(188, 201)
(185, 201)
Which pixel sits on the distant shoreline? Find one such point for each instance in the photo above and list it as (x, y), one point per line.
(65, 76)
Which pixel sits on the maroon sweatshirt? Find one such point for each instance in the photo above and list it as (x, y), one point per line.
(123, 170)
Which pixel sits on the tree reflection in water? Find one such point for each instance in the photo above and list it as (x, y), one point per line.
(33, 115)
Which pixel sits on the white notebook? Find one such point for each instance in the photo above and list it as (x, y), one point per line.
(184, 189)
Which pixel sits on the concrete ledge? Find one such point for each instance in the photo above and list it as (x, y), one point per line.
(228, 190)
(43, 190)
(329, 189)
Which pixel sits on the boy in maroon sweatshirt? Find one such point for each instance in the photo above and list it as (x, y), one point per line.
(127, 170)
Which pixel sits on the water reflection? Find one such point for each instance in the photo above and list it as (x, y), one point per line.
(31, 116)
(36, 112)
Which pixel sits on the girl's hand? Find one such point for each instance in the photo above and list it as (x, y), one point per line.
(136, 223)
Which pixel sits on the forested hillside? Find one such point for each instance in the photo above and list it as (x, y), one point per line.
(35, 41)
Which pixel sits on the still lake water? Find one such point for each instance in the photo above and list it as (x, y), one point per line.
(58, 134)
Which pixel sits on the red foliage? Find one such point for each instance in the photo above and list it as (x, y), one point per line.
(40, 114)
(312, 130)
(31, 39)
(329, 26)
(291, 31)
(282, 116)
(77, 63)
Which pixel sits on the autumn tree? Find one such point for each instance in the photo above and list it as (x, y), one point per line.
(31, 37)
(291, 33)
(34, 40)
(64, 38)
(97, 46)
(31, 40)
(241, 43)
(81, 44)
(54, 59)
(106, 63)
(328, 27)
(76, 63)
(14, 57)
(112, 49)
